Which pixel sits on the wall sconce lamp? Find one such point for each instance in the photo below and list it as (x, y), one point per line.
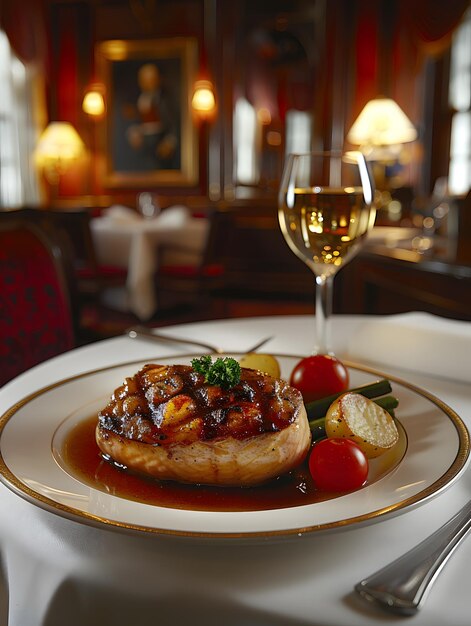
(203, 101)
(59, 146)
(381, 123)
(94, 102)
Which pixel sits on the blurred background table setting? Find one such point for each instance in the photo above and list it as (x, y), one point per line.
(124, 238)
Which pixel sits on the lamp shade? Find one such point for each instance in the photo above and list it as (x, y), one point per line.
(93, 103)
(203, 100)
(382, 123)
(58, 146)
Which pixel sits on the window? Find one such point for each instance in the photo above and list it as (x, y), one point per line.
(298, 131)
(245, 143)
(18, 183)
(248, 146)
(459, 176)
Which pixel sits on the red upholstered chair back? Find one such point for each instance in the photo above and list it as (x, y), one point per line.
(36, 320)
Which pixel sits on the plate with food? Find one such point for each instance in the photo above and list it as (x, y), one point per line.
(238, 446)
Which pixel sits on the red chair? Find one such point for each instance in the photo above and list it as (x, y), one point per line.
(36, 309)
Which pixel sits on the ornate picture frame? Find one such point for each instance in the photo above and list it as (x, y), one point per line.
(147, 135)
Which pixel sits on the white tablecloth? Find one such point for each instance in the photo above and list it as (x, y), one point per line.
(133, 243)
(55, 571)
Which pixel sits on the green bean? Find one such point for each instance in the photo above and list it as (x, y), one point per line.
(318, 408)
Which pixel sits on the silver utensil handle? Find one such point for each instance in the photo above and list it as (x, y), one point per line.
(403, 585)
(142, 332)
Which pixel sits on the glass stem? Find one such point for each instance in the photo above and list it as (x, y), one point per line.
(324, 295)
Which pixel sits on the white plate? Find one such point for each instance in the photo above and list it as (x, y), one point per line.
(437, 453)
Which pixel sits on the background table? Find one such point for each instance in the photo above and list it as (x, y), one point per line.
(55, 571)
(134, 244)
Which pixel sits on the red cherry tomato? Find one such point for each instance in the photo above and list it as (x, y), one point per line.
(338, 465)
(318, 376)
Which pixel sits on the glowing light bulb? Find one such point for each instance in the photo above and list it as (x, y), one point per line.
(203, 100)
(93, 103)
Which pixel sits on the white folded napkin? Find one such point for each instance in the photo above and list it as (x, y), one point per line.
(415, 341)
(120, 213)
(175, 215)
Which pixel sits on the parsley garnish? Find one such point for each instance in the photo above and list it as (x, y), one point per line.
(224, 372)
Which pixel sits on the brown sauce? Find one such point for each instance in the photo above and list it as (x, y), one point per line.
(84, 461)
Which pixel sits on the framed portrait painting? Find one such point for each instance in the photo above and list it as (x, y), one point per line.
(147, 135)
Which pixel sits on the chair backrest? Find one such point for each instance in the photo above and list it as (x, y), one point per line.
(74, 226)
(36, 319)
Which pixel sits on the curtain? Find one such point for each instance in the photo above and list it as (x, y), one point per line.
(433, 22)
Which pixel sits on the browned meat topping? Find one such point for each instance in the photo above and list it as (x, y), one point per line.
(165, 404)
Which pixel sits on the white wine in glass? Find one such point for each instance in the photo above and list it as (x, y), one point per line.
(326, 209)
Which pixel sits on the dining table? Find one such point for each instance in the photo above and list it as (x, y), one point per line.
(124, 238)
(75, 554)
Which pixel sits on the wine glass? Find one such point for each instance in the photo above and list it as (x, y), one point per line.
(326, 208)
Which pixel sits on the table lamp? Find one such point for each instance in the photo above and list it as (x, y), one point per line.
(380, 131)
(381, 123)
(58, 147)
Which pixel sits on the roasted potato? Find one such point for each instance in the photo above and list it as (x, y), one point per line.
(266, 363)
(357, 418)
